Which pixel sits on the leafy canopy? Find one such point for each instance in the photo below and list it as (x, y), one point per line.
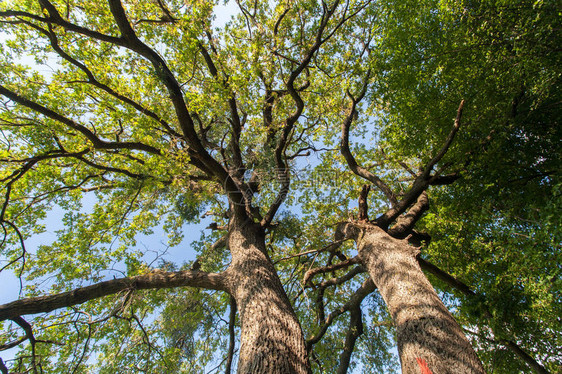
(91, 132)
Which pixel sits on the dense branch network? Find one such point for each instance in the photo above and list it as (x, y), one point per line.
(221, 157)
(229, 174)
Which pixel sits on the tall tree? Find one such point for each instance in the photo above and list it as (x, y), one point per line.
(502, 58)
(152, 116)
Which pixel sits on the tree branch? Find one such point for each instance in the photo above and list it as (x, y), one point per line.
(237, 168)
(97, 142)
(346, 151)
(443, 180)
(28, 334)
(335, 281)
(366, 288)
(55, 17)
(363, 205)
(200, 157)
(3, 367)
(445, 277)
(447, 144)
(423, 180)
(155, 280)
(29, 163)
(354, 331)
(326, 269)
(282, 166)
(406, 223)
(231, 334)
(235, 117)
(110, 168)
(330, 247)
(130, 40)
(538, 368)
(93, 81)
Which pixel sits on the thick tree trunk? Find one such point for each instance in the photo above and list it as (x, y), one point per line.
(271, 337)
(429, 338)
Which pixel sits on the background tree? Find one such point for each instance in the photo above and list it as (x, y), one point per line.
(503, 58)
(150, 116)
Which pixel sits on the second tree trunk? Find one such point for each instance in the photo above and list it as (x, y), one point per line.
(429, 339)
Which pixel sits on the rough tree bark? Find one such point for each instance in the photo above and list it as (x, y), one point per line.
(429, 339)
(271, 337)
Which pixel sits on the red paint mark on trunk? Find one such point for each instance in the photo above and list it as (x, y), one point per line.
(423, 366)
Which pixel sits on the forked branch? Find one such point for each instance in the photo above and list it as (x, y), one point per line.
(200, 157)
(284, 138)
(346, 151)
(96, 142)
(326, 269)
(404, 224)
(355, 300)
(423, 180)
(447, 143)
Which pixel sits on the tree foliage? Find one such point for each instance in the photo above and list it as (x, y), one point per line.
(133, 119)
